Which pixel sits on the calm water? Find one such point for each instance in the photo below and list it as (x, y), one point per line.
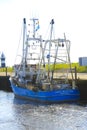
(21, 115)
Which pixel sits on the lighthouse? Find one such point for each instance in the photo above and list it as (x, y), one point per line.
(2, 60)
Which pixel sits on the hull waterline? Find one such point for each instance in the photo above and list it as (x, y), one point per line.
(54, 96)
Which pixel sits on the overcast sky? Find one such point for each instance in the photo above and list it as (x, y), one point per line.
(70, 18)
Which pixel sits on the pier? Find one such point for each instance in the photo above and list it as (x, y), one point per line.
(5, 83)
(82, 85)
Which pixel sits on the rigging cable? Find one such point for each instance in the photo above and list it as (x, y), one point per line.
(18, 44)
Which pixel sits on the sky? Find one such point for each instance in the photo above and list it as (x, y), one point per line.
(70, 17)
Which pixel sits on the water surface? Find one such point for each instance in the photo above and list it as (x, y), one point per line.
(22, 115)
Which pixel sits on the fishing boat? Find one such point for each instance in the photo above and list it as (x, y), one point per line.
(36, 77)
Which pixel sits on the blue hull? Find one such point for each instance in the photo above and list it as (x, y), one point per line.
(54, 96)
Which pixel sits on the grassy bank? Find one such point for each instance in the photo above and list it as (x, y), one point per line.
(79, 69)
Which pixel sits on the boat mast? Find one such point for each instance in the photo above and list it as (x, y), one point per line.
(24, 32)
(52, 22)
(73, 82)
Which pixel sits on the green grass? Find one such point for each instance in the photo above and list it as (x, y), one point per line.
(80, 69)
(9, 69)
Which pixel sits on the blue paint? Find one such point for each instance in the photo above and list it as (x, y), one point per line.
(53, 96)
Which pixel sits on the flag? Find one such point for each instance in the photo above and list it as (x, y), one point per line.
(37, 25)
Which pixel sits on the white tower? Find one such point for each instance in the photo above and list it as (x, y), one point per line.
(2, 60)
